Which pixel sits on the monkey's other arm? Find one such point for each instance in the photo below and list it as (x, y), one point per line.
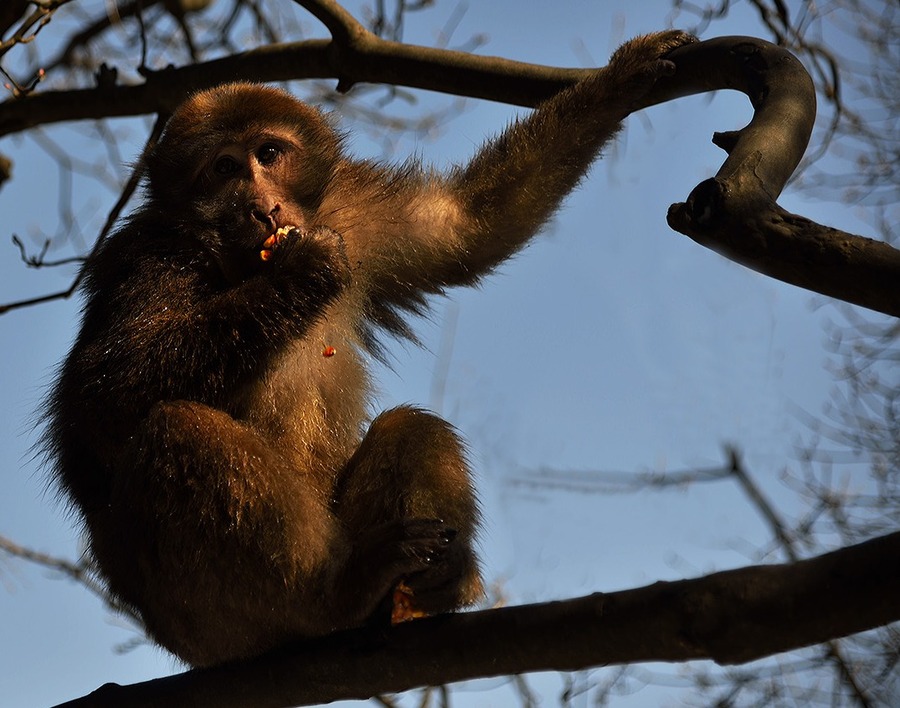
(516, 182)
(154, 305)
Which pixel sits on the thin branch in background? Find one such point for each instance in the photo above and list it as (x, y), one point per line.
(142, 35)
(443, 359)
(32, 25)
(602, 691)
(609, 482)
(81, 572)
(76, 571)
(762, 505)
(779, 530)
(39, 260)
(80, 40)
(527, 698)
(112, 218)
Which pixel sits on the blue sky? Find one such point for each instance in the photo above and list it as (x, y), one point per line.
(611, 343)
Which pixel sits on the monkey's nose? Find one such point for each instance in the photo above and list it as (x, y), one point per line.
(264, 215)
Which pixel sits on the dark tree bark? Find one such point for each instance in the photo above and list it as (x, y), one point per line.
(730, 617)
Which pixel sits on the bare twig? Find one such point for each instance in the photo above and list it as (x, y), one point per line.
(779, 529)
(132, 184)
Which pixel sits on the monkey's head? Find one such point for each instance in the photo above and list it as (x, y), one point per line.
(245, 160)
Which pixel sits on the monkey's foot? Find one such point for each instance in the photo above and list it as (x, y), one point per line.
(403, 607)
(271, 243)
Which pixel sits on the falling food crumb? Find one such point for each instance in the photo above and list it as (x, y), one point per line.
(329, 351)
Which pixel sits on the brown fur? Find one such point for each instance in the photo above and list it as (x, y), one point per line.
(209, 422)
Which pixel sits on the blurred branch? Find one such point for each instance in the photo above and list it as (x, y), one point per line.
(97, 27)
(599, 482)
(779, 529)
(75, 571)
(730, 617)
(129, 189)
(31, 24)
(82, 572)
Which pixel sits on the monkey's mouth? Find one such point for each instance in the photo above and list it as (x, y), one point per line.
(273, 241)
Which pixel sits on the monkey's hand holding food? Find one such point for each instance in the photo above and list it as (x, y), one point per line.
(318, 254)
(403, 607)
(269, 245)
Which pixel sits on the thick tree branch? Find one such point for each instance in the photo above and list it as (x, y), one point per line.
(735, 213)
(367, 59)
(728, 217)
(731, 617)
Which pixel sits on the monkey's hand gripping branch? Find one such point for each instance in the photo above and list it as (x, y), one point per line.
(735, 212)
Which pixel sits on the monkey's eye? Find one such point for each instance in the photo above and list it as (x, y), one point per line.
(268, 153)
(225, 165)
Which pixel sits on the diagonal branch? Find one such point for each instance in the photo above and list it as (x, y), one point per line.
(845, 670)
(111, 219)
(731, 617)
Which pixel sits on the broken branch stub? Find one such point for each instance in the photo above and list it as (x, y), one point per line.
(735, 212)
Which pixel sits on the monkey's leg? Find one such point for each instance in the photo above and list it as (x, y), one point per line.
(213, 535)
(229, 551)
(411, 465)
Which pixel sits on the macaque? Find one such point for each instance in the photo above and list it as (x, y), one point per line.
(210, 422)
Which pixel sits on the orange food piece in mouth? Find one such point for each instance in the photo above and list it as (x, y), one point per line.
(272, 242)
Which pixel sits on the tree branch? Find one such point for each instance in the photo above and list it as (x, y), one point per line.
(751, 229)
(111, 219)
(368, 59)
(731, 617)
(735, 213)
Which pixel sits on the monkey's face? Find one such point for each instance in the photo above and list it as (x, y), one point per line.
(246, 189)
(238, 162)
(252, 187)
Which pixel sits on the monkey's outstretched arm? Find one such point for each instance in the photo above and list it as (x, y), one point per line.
(516, 182)
(462, 226)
